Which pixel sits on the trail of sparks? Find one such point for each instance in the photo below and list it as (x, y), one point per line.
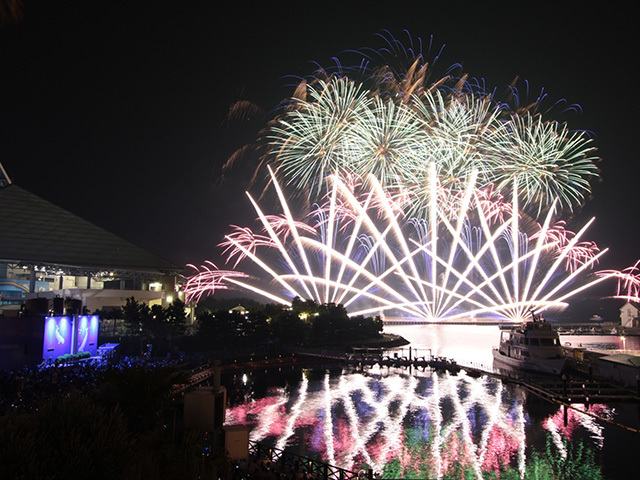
(628, 280)
(469, 171)
(460, 262)
(207, 280)
(393, 123)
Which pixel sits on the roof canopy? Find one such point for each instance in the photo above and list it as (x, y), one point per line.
(623, 358)
(35, 232)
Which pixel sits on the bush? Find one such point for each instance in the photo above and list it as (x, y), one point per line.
(67, 437)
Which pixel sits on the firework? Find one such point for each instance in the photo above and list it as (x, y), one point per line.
(428, 198)
(628, 282)
(392, 124)
(207, 279)
(464, 261)
(548, 161)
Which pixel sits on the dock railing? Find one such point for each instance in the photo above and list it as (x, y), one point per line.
(290, 462)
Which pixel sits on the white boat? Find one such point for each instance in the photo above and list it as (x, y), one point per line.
(533, 346)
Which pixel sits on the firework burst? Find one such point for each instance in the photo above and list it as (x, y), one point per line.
(437, 200)
(207, 279)
(464, 261)
(628, 282)
(393, 124)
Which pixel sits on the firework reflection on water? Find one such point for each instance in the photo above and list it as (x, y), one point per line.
(415, 424)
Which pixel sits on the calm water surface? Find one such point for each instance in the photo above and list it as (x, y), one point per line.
(421, 424)
(472, 344)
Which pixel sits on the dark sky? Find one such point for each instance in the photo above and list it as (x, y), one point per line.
(116, 110)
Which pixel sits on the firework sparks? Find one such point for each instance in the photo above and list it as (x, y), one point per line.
(207, 279)
(470, 259)
(392, 124)
(628, 282)
(455, 183)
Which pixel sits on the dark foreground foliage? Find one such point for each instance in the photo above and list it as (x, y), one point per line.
(126, 427)
(304, 323)
(240, 323)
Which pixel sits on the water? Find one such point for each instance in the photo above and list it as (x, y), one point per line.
(419, 424)
(472, 344)
(617, 343)
(466, 344)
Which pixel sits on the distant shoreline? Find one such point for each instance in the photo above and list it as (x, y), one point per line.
(388, 340)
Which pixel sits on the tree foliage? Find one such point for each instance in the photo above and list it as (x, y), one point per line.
(121, 430)
(67, 437)
(304, 323)
(155, 324)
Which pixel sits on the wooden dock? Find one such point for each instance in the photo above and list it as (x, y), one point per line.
(573, 388)
(369, 357)
(577, 390)
(576, 387)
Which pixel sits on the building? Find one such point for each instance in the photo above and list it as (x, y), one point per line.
(49, 253)
(621, 368)
(630, 315)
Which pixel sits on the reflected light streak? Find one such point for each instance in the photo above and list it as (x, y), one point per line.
(367, 421)
(294, 414)
(575, 419)
(554, 430)
(328, 424)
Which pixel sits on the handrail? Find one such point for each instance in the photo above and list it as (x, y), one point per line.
(298, 463)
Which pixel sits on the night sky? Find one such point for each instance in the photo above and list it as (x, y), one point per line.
(116, 110)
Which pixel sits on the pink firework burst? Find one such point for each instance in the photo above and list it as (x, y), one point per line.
(576, 254)
(207, 279)
(628, 282)
(243, 240)
(580, 254)
(493, 204)
(282, 226)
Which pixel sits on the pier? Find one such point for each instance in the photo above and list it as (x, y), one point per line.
(580, 384)
(577, 390)
(372, 356)
(573, 387)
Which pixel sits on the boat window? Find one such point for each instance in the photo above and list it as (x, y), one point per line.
(534, 341)
(547, 342)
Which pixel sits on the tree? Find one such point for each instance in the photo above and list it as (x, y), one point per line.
(329, 323)
(362, 327)
(159, 323)
(66, 437)
(304, 308)
(216, 330)
(176, 316)
(257, 328)
(137, 315)
(288, 328)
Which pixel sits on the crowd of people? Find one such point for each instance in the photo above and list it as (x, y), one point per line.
(23, 390)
